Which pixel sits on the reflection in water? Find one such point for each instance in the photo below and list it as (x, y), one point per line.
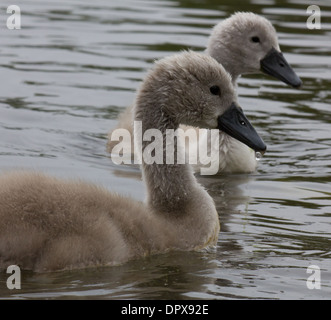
(73, 67)
(169, 275)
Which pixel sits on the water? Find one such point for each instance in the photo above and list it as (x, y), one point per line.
(74, 66)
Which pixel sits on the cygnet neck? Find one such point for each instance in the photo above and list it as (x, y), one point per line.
(170, 187)
(224, 56)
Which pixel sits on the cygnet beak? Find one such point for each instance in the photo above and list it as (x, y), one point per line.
(235, 124)
(276, 65)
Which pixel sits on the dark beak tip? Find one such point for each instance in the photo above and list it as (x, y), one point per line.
(275, 65)
(231, 123)
(298, 84)
(263, 151)
(259, 146)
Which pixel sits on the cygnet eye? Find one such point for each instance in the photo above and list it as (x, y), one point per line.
(255, 39)
(215, 90)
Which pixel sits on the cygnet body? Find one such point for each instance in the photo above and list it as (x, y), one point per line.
(50, 224)
(243, 43)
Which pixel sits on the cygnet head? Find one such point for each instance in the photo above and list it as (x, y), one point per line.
(193, 89)
(247, 43)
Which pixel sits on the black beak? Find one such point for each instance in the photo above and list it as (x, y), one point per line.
(235, 124)
(275, 65)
